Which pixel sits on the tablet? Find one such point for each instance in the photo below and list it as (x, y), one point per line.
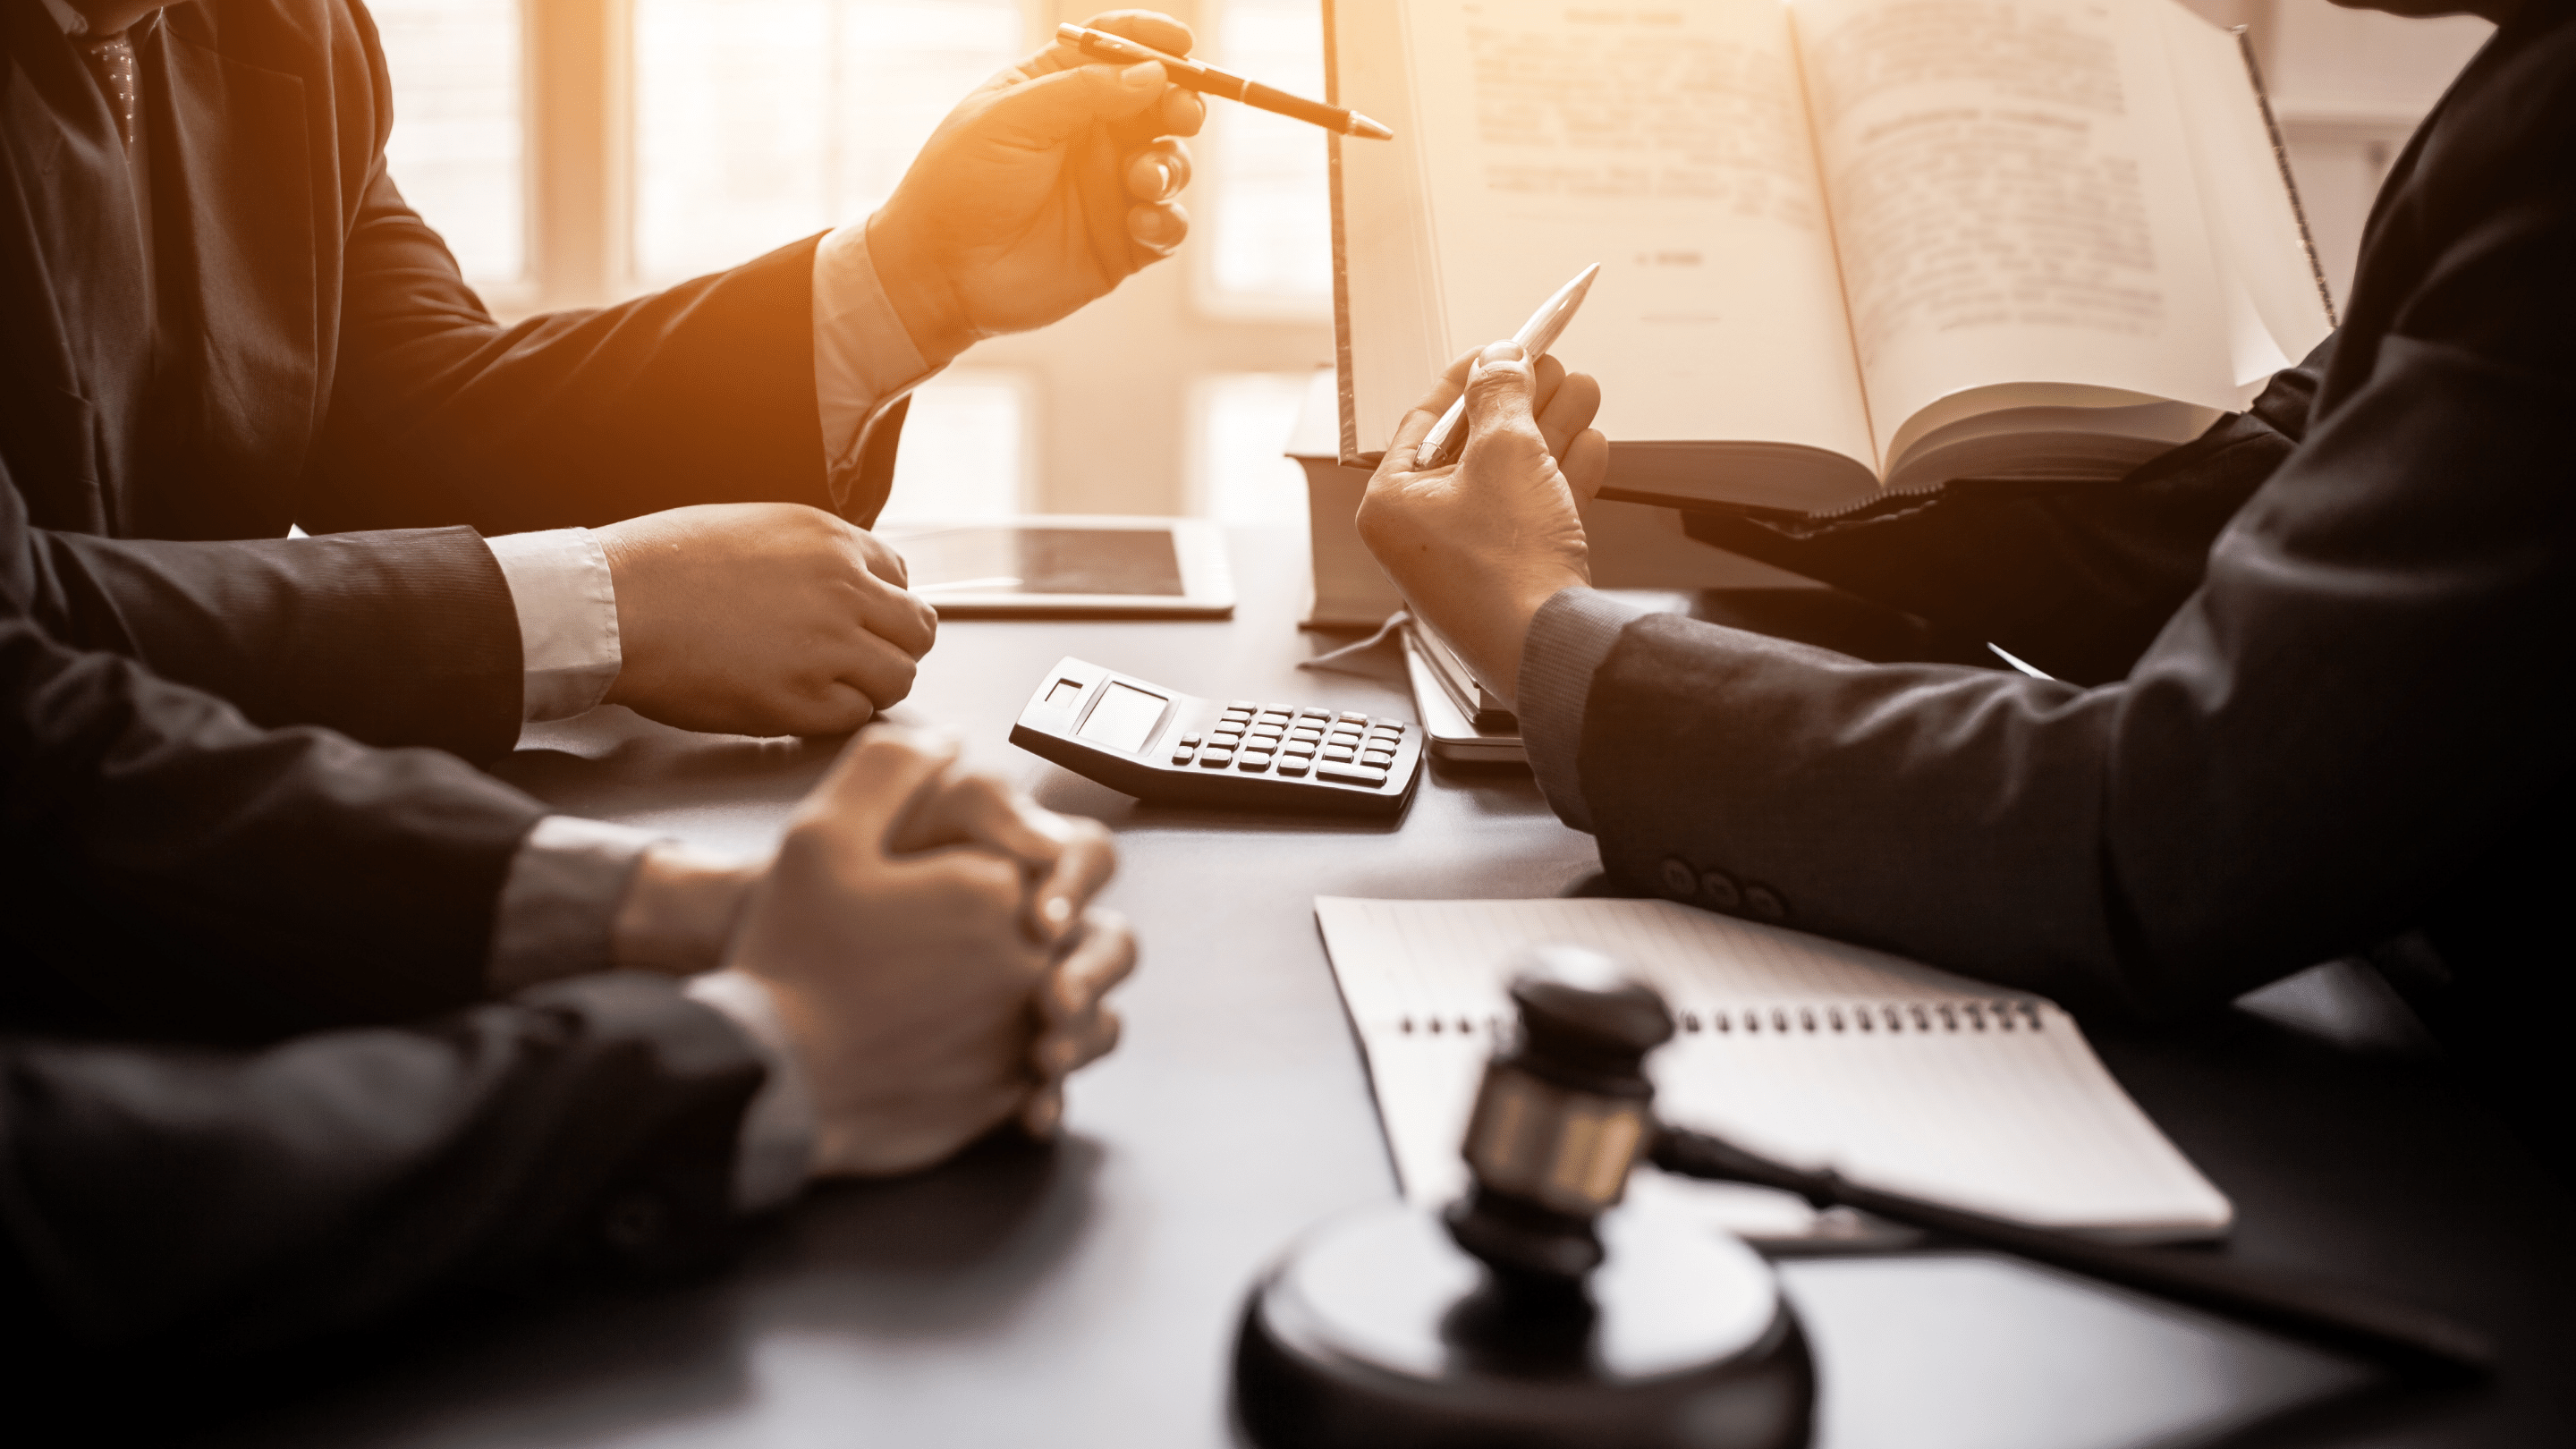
(1075, 565)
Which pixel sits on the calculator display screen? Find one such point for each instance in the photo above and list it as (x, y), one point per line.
(1123, 719)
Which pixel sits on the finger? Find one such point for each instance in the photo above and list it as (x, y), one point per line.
(1551, 375)
(1586, 462)
(1055, 108)
(1146, 27)
(881, 778)
(1157, 229)
(973, 808)
(896, 615)
(833, 708)
(1182, 113)
(1104, 956)
(875, 667)
(1498, 393)
(1159, 172)
(881, 558)
(1042, 1116)
(1060, 1054)
(1088, 859)
(1568, 412)
(1403, 450)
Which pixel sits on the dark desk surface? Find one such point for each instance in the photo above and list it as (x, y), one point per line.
(1086, 1295)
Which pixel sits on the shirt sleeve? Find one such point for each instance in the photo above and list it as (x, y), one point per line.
(567, 606)
(557, 907)
(774, 1152)
(863, 357)
(1568, 639)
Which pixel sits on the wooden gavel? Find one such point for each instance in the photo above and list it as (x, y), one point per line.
(1565, 1113)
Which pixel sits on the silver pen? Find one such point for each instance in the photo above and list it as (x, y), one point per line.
(1440, 446)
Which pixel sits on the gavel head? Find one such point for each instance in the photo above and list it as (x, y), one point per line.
(1562, 1116)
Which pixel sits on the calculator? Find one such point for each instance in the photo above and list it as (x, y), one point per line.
(1162, 745)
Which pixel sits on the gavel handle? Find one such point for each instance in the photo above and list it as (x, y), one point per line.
(2422, 1345)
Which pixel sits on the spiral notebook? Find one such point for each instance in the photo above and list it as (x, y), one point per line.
(1816, 1052)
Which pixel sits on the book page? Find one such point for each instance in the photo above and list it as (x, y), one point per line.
(2276, 300)
(1667, 142)
(1810, 1050)
(2014, 201)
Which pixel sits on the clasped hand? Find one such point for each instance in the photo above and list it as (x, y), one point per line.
(1477, 546)
(926, 938)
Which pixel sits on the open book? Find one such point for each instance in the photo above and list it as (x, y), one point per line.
(1847, 246)
(1810, 1051)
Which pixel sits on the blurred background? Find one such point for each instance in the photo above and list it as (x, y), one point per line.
(579, 151)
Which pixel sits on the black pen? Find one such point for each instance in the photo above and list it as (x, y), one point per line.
(1190, 75)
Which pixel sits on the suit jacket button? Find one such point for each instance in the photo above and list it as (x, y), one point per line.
(1764, 903)
(1679, 878)
(1720, 889)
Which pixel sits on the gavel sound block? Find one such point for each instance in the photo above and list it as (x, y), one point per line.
(1521, 1316)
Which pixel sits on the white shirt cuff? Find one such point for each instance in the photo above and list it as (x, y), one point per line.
(863, 357)
(567, 604)
(774, 1153)
(559, 902)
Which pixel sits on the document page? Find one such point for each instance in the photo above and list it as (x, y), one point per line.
(2013, 197)
(1810, 1050)
(1669, 143)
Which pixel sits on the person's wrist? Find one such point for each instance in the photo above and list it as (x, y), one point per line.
(680, 910)
(925, 301)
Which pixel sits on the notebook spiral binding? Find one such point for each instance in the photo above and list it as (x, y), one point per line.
(1921, 1018)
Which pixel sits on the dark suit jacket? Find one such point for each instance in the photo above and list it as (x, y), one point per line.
(169, 868)
(2354, 727)
(320, 362)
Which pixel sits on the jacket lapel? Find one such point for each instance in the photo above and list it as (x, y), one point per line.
(244, 220)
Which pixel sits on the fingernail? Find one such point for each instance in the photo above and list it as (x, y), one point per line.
(1503, 351)
(1141, 75)
(1162, 179)
(1057, 912)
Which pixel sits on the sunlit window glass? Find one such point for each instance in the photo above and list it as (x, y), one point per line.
(760, 121)
(458, 147)
(1263, 200)
(1241, 426)
(965, 449)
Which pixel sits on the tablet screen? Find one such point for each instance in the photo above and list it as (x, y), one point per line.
(1008, 559)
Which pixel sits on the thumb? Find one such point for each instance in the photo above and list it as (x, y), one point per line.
(879, 781)
(1057, 107)
(1499, 390)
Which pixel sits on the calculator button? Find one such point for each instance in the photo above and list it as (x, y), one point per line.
(1182, 755)
(1213, 758)
(1338, 755)
(1390, 731)
(1391, 726)
(1319, 716)
(1189, 740)
(1280, 710)
(1352, 716)
(1379, 758)
(1303, 732)
(1351, 774)
(1225, 737)
(1253, 761)
(1295, 764)
(1266, 731)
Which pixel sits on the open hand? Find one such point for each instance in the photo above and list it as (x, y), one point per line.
(761, 619)
(1045, 188)
(1478, 546)
(923, 934)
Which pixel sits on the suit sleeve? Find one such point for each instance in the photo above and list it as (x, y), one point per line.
(165, 862)
(703, 393)
(2367, 691)
(396, 638)
(188, 1207)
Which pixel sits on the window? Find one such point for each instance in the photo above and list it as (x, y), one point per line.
(459, 146)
